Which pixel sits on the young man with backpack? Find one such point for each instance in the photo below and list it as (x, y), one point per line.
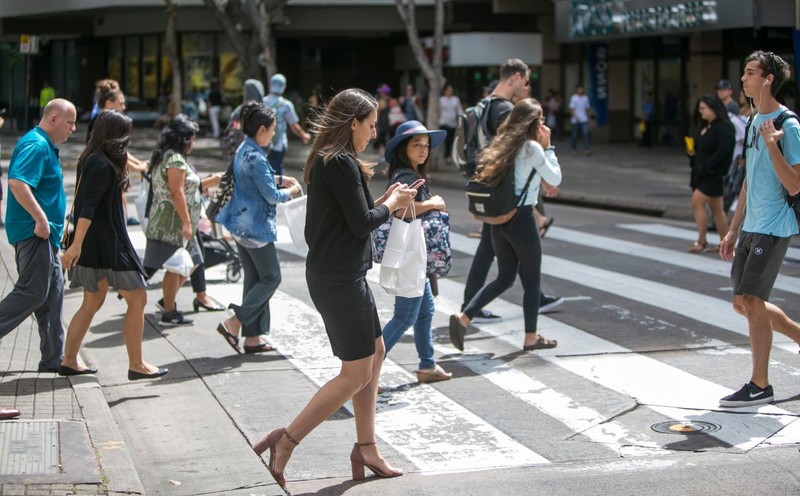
(766, 219)
(514, 78)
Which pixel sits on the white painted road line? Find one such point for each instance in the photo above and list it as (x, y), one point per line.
(687, 234)
(713, 266)
(429, 429)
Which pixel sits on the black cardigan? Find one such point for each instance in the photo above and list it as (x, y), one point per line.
(99, 199)
(340, 217)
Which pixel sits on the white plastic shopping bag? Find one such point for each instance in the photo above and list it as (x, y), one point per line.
(294, 213)
(404, 260)
(180, 262)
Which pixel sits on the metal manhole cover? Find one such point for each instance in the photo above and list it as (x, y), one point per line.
(683, 427)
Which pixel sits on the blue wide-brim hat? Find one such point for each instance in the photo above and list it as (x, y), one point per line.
(409, 129)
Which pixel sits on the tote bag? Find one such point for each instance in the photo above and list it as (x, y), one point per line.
(404, 260)
(294, 212)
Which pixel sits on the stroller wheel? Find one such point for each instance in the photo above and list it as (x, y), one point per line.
(233, 272)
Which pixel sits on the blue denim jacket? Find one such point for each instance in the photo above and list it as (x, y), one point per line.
(250, 213)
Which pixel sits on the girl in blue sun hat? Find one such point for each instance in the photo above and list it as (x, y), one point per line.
(407, 154)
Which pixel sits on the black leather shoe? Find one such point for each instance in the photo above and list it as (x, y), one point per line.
(215, 307)
(67, 371)
(135, 376)
(48, 369)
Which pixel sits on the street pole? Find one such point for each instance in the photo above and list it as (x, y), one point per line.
(28, 88)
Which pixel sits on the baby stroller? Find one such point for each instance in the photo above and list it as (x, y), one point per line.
(217, 251)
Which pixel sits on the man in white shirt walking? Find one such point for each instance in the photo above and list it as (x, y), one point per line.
(580, 110)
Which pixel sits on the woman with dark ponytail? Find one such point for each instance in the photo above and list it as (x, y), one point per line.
(101, 254)
(175, 210)
(250, 217)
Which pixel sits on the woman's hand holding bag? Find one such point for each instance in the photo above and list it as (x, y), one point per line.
(404, 259)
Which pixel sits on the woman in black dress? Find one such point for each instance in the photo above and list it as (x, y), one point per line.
(101, 254)
(715, 138)
(340, 218)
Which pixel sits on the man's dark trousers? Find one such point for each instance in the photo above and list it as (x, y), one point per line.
(39, 290)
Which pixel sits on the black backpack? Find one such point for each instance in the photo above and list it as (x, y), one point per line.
(496, 204)
(472, 135)
(792, 200)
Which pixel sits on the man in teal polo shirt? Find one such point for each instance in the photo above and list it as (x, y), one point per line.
(34, 222)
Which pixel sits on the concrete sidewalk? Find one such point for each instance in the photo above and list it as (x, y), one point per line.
(66, 440)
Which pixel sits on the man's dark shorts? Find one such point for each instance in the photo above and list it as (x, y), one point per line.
(757, 260)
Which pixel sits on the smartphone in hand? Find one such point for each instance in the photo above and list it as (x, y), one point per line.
(416, 184)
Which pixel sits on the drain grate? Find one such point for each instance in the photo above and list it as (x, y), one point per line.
(29, 448)
(683, 427)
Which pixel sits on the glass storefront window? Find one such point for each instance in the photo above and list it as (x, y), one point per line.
(150, 67)
(115, 59)
(131, 86)
(198, 51)
(230, 71)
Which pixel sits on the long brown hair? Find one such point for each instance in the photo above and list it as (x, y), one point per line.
(333, 132)
(110, 137)
(497, 159)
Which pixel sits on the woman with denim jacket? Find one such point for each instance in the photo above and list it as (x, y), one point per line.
(250, 218)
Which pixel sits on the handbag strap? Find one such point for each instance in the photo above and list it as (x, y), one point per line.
(65, 235)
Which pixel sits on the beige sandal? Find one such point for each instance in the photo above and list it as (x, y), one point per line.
(697, 247)
(436, 375)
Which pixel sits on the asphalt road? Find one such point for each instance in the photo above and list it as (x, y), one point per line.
(647, 340)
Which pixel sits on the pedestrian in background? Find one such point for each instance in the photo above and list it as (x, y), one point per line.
(766, 220)
(287, 119)
(340, 218)
(407, 153)
(101, 254)
(449, 109)
(101, 87)
(384, 133)
(215, 103)
(522, 145)
(175, 211)
(648, 112)
(233, 136)
(553, 107)
(580, 111)
(35, 215)
(725, 94)
(710, 159)
(47, 94)
(250, 217)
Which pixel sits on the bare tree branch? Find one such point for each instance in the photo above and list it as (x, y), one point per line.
(432, 70)
(171, 47)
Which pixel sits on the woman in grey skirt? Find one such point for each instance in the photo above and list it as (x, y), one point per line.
(101, 254)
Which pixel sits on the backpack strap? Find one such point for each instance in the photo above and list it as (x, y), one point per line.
(485, 117)
(524, 194)
(747, 137)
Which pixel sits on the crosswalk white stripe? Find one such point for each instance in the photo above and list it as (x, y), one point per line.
(431, 430)
(687, 234)
(696, 306)
(705, 265)
(661, 387)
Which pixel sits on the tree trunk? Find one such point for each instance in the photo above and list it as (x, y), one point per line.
(432, 71)
(230, 17)
(171, 46)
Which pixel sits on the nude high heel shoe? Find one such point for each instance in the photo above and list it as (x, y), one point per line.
(270, 441)
(357, 463)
